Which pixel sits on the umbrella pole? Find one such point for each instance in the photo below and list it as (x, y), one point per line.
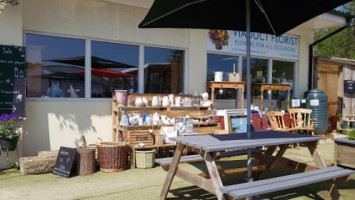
(247, 3)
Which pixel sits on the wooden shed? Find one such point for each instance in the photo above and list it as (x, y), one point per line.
(330, 76)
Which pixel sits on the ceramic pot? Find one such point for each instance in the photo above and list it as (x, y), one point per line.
(204, 96)
(177, 101)
(156, 118)
(124, 119)
(171, 99)
(218, 76)
(121, 97)
(166, 101)
(140, 121)
(139, 102)
(145, 100)
(129, 100)
(149, 120)
(186, 101)
(156, 101)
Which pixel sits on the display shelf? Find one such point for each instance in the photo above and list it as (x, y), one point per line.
(196, 112)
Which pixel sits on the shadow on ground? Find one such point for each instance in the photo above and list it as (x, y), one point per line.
(316, 191)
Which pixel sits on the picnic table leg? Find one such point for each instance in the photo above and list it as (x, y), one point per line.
(333, 191)
(270, 163)
(210, 160)
(172, 171)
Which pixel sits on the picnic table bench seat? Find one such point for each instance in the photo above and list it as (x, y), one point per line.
(260, 187)
(198, 157)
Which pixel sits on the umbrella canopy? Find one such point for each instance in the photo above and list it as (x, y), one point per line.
(112, 74)
(267, 16)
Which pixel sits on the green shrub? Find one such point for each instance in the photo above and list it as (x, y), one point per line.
(351, 134)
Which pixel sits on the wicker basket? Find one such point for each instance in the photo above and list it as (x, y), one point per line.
(86, 161)
(112, 156)
(145, 158)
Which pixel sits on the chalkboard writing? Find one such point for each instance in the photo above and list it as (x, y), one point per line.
(64, 163)
(349, 86)
(12, 80)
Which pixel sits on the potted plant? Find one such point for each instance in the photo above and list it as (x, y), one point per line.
(343, 125)
(10, 131)
(344, 152)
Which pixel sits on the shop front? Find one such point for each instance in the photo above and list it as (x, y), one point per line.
(78, 52)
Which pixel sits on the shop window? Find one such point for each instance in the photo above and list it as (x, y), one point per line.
(282, 73)
(224, 63)
(113, 66)
(258, 74)
(258, 70)
(55, 66)
(163, 70)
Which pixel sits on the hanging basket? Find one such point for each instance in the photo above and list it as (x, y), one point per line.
(8, 144)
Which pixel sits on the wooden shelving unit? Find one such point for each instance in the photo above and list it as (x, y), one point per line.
(119, 132)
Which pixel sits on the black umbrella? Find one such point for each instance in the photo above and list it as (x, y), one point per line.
(265, 16)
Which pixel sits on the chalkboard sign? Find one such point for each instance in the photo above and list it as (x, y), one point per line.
(349, 86)
(12, 80)
(64, 163)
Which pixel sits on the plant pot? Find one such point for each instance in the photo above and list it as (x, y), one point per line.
(344, 152)
(145, 158)
(343, 126)
(8, 144)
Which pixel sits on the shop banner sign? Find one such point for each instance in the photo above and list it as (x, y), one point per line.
(265, 45)
(12, 80)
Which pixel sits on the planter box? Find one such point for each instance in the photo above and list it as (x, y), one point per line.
(145, 158)
(344, 152)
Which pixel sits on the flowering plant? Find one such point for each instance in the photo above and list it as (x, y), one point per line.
(219, 38)
(10, 126)
(4, 2)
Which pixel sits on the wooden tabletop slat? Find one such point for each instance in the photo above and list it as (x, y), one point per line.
(212, 143)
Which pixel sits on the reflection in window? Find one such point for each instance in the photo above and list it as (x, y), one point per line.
(54, 65)
(258, 73)
(113, 66)
(258, 70)
(224, 63)
(282, 72)
(163, 70)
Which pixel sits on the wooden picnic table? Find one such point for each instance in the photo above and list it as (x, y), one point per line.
(210, 146)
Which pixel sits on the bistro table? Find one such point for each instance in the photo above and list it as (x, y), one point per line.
(210, 146)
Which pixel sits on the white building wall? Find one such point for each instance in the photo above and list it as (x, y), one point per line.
(55, 123)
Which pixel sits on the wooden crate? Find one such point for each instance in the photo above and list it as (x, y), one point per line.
(344, 152)
(140, 136)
